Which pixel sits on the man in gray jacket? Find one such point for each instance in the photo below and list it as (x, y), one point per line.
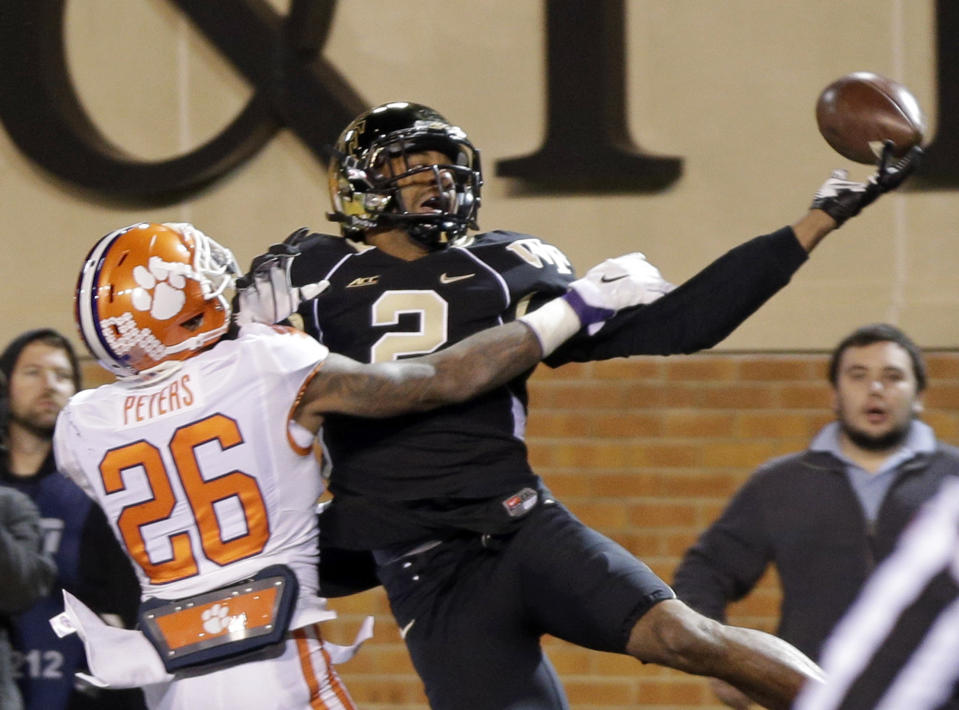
(26, 575)
(826, 516)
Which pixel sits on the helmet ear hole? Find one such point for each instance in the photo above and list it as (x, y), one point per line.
(193, 323)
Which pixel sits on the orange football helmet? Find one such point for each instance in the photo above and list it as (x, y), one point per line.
(150, 295)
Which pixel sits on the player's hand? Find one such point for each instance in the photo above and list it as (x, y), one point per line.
(842, 198)
(615, 284)
(298, 237)
(265, 293)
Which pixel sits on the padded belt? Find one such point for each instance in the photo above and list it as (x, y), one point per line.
(224, 623)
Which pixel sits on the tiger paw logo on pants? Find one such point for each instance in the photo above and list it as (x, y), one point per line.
(216, 619)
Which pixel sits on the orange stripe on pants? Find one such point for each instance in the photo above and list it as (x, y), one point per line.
(327, 691)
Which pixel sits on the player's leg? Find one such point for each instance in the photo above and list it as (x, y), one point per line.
(296, 675)
(584, 588)
(465, 627)
(763, 666)
(579, 585)
(316, 672)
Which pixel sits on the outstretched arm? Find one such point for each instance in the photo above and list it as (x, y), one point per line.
(704, 310)
(812, 227)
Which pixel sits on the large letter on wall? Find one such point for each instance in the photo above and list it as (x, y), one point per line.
(587, 144)
(940, 167)
(278, 56)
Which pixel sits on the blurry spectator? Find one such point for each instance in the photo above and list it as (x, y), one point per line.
(27, 574)
(827, 516)
(42, 373)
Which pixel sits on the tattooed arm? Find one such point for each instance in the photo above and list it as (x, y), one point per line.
(482, 361)
(471, 367)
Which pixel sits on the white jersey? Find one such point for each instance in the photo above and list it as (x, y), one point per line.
(202, 475)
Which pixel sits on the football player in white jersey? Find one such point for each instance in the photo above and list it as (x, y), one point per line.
(201, 456)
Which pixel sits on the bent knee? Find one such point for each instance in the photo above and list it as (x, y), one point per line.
(672, 634)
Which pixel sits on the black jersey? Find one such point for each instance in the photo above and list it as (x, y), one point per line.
(381, 308)
(412, 477)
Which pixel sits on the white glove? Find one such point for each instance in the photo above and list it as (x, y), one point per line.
(614, 284)
(265, 294)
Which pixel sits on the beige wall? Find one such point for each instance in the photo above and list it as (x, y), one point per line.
(730, 86)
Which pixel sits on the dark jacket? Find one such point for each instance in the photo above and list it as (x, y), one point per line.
(800, 513)
(91, 566)
(26, 575)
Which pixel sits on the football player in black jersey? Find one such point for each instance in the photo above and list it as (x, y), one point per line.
(478, 559)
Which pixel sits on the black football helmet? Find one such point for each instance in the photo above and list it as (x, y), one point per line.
(364, 195)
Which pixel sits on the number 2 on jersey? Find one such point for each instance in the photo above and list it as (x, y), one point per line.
(202, 494)
(429, 306)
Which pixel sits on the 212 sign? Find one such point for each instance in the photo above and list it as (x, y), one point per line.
(296, 87)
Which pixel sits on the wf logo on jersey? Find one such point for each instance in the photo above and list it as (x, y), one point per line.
(536, 253)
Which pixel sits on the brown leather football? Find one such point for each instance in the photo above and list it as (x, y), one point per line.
(859, 111)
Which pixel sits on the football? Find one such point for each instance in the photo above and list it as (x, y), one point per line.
(859, 111)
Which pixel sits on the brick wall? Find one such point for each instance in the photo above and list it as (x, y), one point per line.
(647, 451)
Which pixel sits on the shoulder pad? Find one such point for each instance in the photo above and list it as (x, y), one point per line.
(318, 254)
(298, 237)
(513, 249)
(304, 240)
(498, 237)
(525, 264)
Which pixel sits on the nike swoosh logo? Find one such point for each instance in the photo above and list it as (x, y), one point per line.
(444, 279)
(406, 629)
(606, 280)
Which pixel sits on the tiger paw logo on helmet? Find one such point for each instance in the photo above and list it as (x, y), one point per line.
(153, 294)
(160, 291)
(159, 288)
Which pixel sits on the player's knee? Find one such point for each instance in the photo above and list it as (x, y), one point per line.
(674, 635)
